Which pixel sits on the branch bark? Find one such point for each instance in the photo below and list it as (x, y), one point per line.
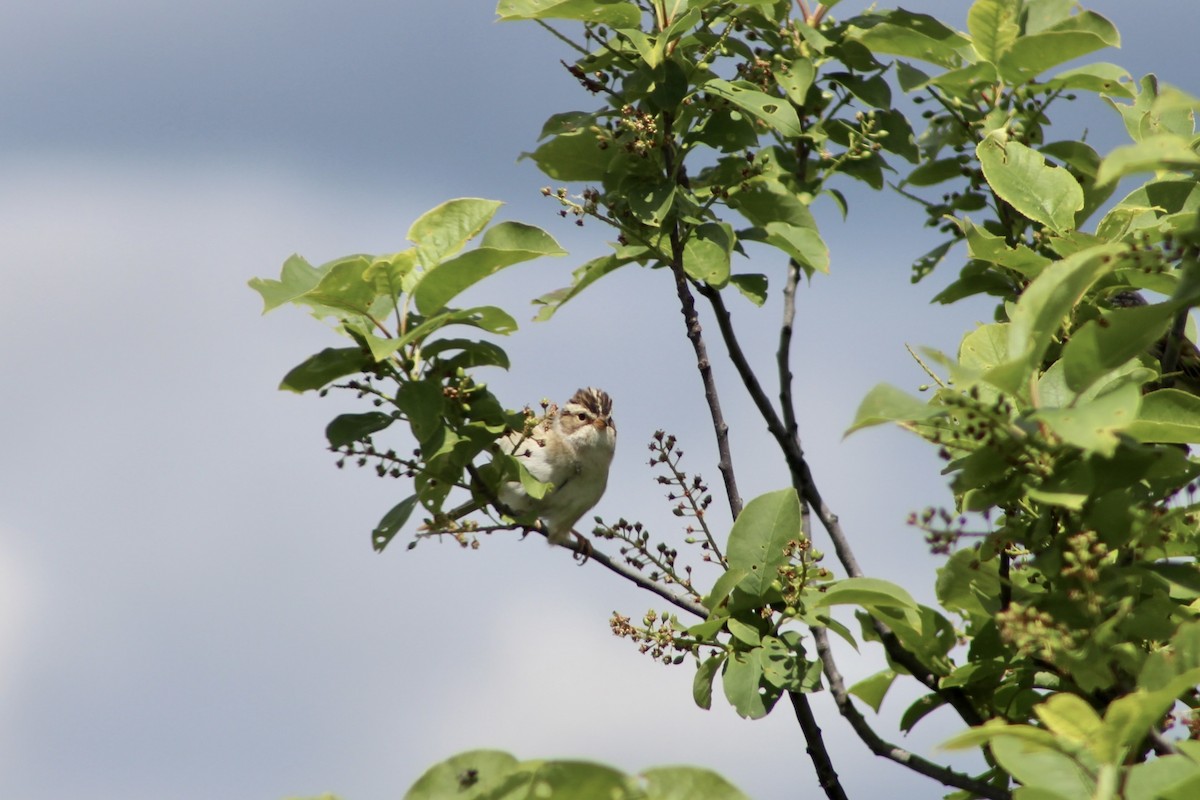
(885, 749)
(802, 479)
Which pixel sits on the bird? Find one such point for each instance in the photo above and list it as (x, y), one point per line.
(571, 448)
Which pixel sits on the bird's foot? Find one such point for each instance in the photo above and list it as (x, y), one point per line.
(583, 548)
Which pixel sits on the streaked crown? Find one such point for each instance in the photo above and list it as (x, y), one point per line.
(593, 404)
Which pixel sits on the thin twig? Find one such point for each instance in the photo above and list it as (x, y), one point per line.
(885, 749)
(687, 306)
(632, 575)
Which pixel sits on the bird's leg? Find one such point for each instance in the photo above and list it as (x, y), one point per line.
(583, 548)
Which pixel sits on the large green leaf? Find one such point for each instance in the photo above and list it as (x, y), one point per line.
(582, 278)
(775, 111)
(504, 245)
(473, 775)
(1023, 179)
(1041, 308)
(618, 13)
(920, 36)
(759, 538)
(994, 27)
(1093, 426)
(442, 231)
(318, 370)
(296, 278)
(688, 783)
(886, 403)
(867, 592)
(1100, 77)
(1098, 348)
(581, 155)
(796, 80)
(744, 686)
(1075, 36)
(1155, 154)
(1168, 415)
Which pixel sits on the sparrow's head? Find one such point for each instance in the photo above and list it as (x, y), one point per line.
(588, 414)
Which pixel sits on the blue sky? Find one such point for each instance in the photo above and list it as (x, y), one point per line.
(189, 605)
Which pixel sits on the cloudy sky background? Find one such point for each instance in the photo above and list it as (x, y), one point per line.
(189, 605)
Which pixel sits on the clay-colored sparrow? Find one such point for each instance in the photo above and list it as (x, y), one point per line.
(571, 449)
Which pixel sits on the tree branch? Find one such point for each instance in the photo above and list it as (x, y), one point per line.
(886, 749)
(827, 776)
(806, 487)
(630, 574)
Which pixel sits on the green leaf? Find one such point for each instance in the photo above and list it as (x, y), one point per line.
(296, 278)
(867, 592)
(422, 403)
(392, 522)
(688, 783)
(649, 200)
(759, 539)
(934, 172)
(617, 13)
(873, 689)
(743, 632)
(328, 365)
(1155, 154)
(1041, 308)
(582, 278)
(1040, 765)
(1093, 426)
(443, 230)
(796, 80)
(886, 403)
(1075, 36)
(393, 274)
(985, 347)
(1021, 177)
(776, 112)
(347, 428)
(743, 685)
(1168, 415)
(919, 36)
(574, 779)
(473, 353)
(725, 584)
(490, 771)
(702, 684)
(1100, 77)
(803, 244)
(1097, 349)
(443, 282)
(583, 155)
(706, 254)
(1069, 717)
(753, 286)
(344, 287)
(993, 26)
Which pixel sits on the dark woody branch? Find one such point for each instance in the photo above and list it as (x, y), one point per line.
(789, 443)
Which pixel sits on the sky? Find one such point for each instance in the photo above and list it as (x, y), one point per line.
(189, 603)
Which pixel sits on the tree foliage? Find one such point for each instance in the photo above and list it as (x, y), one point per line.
(1067, 639)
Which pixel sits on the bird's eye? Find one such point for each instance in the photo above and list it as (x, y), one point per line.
(582, 416)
